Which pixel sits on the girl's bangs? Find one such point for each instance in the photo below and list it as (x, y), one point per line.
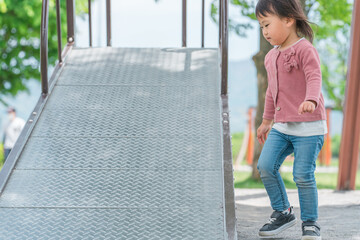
(263, 8)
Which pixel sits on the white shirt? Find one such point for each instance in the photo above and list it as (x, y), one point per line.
(12, 132)
(302, 129)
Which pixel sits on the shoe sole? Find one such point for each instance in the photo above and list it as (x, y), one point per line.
(279, 230)
(311, 238)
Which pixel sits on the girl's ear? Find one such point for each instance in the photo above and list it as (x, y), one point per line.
(290, 21)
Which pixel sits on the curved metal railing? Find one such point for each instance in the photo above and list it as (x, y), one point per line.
(44, 47)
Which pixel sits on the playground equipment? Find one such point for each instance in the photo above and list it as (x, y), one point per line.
(349, 148)
(124, 143)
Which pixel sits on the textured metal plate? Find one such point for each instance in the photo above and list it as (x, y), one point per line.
(114, 189)
(129, 224)
(128, 146)
(143, 66)
(146, 98)
(177, 153)
(126, 123)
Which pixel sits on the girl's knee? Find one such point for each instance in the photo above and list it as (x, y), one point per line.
(265, 168)
(304, 179)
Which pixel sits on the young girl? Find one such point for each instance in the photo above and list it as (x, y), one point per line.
(296, 106)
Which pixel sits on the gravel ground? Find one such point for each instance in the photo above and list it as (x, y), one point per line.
(339, 214)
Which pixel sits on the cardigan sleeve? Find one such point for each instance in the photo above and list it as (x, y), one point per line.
(312, 71)
(269, 109)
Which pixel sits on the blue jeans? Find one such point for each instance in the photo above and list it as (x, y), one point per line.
(306, 149)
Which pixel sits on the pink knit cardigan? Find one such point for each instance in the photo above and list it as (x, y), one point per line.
(294, 76)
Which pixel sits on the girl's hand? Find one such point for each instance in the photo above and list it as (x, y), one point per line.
(263, 131)
(307, 106)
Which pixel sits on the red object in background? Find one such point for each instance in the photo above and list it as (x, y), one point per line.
(250, 148)
(325, 154)
(328, 153)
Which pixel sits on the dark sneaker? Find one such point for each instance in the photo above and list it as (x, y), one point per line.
(310, 231)
(278, 222)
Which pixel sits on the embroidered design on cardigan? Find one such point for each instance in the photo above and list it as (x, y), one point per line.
(289, 65)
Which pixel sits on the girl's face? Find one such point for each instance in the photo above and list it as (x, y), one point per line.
(276, 30)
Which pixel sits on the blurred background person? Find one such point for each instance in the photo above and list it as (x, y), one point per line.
(12, 131)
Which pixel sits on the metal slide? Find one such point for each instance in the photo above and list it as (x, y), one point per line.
(128, 146)
(124, 143)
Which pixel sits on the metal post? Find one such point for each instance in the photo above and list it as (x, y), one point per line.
(349, 148)
(184, 23)
(70, 13)
(224, 46)
(90, 35)
(203, 23)
(58, 28)
(220, 22)
(44, 47)
(108, 22)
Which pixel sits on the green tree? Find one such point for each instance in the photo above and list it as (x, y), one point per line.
(332, 41)
(20, 22)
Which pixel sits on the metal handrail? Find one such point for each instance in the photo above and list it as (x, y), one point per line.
(108, 22)
(90, 27)
(44, 39)
(224, 45)
(184, 25)
(70, 17)
(58, 27)
(202, 23)
(44, 47)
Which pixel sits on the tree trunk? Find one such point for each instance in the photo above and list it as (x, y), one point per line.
(258, 59)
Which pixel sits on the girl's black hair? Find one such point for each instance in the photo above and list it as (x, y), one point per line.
(288, 9)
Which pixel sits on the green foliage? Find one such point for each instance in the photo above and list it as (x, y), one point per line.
(20, 41)
(20, 46)
(236, 142)
(335, 145)
(332, 40)
(331, 17)
(334, 81)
